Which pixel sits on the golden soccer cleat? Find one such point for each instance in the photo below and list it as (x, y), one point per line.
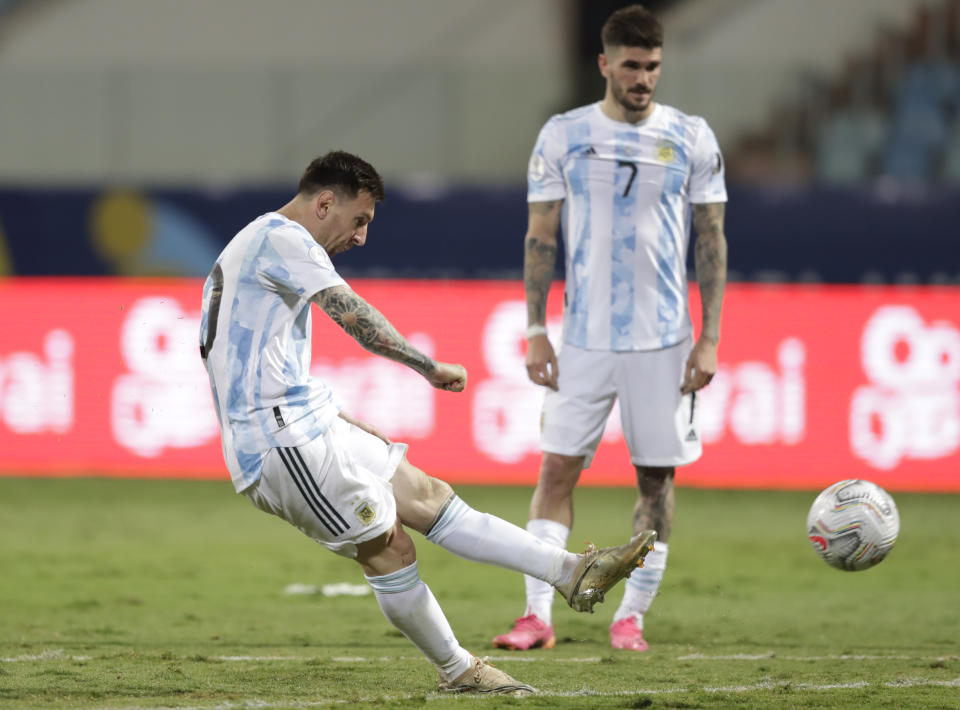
(482, 677)
(600, 570)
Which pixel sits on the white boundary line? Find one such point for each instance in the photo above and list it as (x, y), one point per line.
(51, 655)
(772, 655)
(384, 659)
(59, 655)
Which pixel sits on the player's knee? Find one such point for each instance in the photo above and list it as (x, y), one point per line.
(654, 474)
(425, 511)
(439, 493)
(419, 497)
(559, 473)
(652, 479)
(376, 546)
(400, 543)
(386, 553)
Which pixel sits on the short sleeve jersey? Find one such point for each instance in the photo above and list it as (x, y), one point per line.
(255, 342)
(627, 190)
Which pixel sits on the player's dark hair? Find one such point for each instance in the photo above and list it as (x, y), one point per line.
(632, 26)
(344, 172)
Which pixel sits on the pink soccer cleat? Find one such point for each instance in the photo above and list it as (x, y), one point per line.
(626, 634)
(527, 632)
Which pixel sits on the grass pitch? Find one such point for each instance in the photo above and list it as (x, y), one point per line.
(169, 594)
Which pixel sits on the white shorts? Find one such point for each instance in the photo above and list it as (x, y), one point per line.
(336, 488)
(659, 424)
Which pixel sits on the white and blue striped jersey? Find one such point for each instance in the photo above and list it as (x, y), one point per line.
(255, 342)
(627, 190)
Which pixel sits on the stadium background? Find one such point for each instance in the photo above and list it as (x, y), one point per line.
(138, 136)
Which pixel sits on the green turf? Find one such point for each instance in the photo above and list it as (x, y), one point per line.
(149, 594)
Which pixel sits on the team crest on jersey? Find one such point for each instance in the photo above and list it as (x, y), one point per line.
(365, 513)
(666, 151)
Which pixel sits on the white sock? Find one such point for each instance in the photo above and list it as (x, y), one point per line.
(411, 607)
(642, 585)
(540, 594)
(481, 537)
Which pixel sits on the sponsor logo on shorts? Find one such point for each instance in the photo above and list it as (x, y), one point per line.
(365, 513)
(691, 435)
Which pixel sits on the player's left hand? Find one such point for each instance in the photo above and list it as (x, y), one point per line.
(701, 366)
(369, 428)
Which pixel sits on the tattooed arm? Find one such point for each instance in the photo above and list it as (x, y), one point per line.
(539, 262)
(710, 260)
(375, 333)
(540, 257)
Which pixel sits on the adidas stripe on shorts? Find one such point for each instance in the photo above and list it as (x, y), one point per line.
(335, 489)
(659, 424)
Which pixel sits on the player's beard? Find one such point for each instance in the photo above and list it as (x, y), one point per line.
(631, 101)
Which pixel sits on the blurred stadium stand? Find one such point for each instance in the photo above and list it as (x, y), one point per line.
(138, 136)
(889, 117)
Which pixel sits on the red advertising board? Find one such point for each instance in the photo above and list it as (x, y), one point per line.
(816, 384)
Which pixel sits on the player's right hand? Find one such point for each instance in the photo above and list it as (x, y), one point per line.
(448, 376)
(542, 362)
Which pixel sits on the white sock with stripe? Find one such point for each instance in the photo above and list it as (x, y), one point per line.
(482, 537)
(642, 585)
(411, 607)
(540, 594)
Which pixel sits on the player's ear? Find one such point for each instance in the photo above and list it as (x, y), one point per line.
(607, 60)
(322, 203)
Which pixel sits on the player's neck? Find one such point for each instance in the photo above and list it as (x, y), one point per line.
(294, 210)
(289, 210)
(614, 109)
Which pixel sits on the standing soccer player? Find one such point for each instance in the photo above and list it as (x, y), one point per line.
(621, 175)
(293, 453)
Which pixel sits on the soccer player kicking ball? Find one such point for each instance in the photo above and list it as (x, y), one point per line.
(293, 453)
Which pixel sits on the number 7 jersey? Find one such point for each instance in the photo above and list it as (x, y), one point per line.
(627, 190)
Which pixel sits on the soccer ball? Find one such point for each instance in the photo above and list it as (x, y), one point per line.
(853, 524)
